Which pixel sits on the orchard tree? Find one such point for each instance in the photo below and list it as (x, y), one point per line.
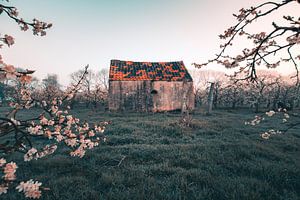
(50, 87)
(102, 79)
(233, 93)
(100, 93)
(257, 93)
(84, 93)
(94, 87)
(53, 124)
(202, 79)
(269, 48)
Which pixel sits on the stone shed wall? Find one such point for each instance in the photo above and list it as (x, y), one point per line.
(148, 96)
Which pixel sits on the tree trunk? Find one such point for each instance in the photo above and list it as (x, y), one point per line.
(210, 98)
(216, 96)
(233, 106)
(234, 101)
(257, 105)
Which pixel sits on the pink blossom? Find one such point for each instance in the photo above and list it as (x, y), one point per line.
(14, 12)
(80, 152)
(29, 155)
(30, 188)
(91, 134)
(265, 135)
(10, 168)
(44, 103)
(9, 40)
(9, 177)
(9, 68)
(59, 138)
(25, 79)
(270, 113)
(3, 189)
(54, 109)
(9, 171)
(44, 120)
(61, 119)
(48, 134)
(51, 122)
(2, 162)
(71, 142)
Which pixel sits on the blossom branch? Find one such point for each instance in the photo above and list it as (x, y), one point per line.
(265, 44)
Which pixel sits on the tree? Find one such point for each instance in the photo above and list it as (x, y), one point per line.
(84, 92)
(53, 124)
(258, 91)
(210, 97)
(268, 48)
(94, 88)
(102, 79)
(202, 79)
(50, 87)
(2, 96)
(283, 38)
(100, 93)
(233, 94)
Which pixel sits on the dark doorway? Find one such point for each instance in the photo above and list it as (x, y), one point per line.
(154, 92)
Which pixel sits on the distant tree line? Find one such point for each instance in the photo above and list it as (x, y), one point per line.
(92, 93)
(270, 91)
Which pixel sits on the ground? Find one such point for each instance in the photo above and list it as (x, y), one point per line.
(147, 156)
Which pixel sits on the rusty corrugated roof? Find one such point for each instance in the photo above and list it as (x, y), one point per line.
(158, 71)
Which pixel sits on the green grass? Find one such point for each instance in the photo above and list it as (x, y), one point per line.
(217, 158)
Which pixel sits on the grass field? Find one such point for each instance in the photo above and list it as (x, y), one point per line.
(148, 157)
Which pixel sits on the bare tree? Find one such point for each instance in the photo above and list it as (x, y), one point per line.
(86, 88)
(94, 87)
(232, 94)
(258, 90)
(201, 80)
(102, 79)
(50, 87)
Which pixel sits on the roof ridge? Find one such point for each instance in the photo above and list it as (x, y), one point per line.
(178, 61)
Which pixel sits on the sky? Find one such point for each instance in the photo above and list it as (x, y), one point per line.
(95, 31)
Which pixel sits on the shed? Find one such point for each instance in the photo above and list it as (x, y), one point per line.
(150, 86)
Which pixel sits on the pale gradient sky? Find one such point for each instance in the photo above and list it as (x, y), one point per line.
(96, 31)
